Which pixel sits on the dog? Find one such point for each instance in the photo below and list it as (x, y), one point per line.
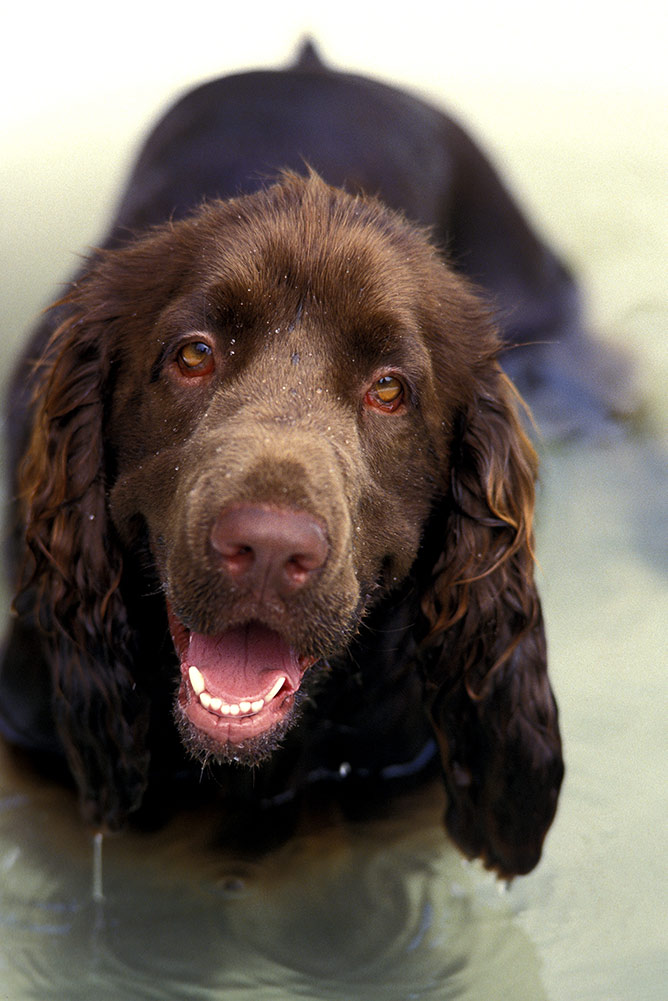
(274, 495)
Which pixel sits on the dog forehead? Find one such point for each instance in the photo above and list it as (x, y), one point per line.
(297, 335)
(286, 283)
(333, 306)
(302, 236)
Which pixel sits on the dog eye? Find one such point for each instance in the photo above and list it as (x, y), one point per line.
(387, 393)
(195, 359)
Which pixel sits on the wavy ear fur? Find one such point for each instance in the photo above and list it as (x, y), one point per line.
(73, 573)
(485, 657)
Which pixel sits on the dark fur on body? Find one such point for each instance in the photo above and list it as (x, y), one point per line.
(423, 619)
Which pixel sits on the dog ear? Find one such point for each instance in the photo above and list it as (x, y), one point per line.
(484, 657)
(73, 572)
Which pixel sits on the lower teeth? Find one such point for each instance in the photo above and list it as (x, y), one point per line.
(216, 704)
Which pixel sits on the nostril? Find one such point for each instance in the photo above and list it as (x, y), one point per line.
(237, 559)
(300, 566)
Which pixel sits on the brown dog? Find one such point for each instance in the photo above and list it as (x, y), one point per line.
(271, 456)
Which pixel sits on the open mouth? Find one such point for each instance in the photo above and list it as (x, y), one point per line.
(238, 684)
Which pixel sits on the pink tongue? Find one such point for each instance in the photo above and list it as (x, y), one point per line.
(243, 662)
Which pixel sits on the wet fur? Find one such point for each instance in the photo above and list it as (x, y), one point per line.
(426, 613)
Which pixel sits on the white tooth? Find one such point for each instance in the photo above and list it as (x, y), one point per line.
(234, 710)
(245, 707)
(256, 706)
(275, 690)
(196, 680)
(225, 709)
(205, 699)
(216, 703)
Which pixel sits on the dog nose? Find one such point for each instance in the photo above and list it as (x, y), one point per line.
(275, 551)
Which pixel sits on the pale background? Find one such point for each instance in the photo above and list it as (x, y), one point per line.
(571, 101)
(543, 87)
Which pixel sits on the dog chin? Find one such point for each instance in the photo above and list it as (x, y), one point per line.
(249, 752)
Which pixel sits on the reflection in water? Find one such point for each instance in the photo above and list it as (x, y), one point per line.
(381, 909)
(98, 880)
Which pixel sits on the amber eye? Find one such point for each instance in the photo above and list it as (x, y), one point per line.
(195, 359)
(387, 394)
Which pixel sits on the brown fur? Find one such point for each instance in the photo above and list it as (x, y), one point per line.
(307, 294)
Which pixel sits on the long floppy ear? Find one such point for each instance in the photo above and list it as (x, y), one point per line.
(73, 573)
(484, 658)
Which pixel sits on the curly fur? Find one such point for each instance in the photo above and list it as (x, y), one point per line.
(425, 613)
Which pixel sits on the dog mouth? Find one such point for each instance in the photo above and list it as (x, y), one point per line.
(236, 685)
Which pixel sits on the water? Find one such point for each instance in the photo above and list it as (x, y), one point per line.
(383, 909)
(387, 909)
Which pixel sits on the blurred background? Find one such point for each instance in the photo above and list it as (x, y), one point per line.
(571, 102)
(555, 95)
